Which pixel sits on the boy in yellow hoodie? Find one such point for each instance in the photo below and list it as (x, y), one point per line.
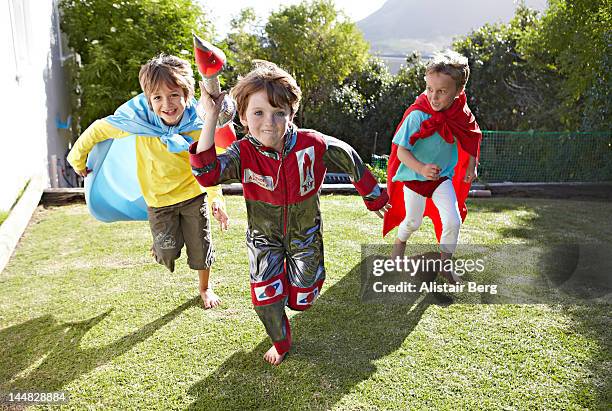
(164, 122)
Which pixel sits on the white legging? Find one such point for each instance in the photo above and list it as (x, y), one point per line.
(446, 201)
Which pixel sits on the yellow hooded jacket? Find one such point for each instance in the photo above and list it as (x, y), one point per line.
(165, 178)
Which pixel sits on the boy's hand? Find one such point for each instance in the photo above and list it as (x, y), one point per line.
(383, 210)
(430, 171)
(470, 175)
(83, 173)
(471, 171)
(212, 106)
(220, 215)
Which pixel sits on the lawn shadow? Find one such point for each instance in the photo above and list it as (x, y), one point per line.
(548, 220)
(593, 323)
(567, 231)
(44, 354)
(336, 346)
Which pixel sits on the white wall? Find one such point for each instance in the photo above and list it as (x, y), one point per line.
(33, 93)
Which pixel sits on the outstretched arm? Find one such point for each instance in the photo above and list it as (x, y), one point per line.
(208, 168)
(342, 156)
(97, 132)
(472, 172)
(212, 107)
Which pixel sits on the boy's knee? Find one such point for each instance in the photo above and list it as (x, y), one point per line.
(452, 224)
(166, 257)
(450, 234)
(200, 255)
(270, 291)
(167, 245)
(407, 227)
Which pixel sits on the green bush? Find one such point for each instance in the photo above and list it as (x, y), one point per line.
(111, 40)
(379, 173)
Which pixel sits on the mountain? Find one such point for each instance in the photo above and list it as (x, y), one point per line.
(402, 26)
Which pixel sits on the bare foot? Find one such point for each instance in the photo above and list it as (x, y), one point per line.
(209, 298)
(273, 357)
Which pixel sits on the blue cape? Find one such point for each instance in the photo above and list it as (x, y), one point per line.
(112, 190)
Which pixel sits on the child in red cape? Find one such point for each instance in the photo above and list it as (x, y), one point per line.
(428, 172)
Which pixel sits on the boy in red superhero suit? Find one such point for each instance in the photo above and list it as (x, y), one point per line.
(281, 169)
(434, 159)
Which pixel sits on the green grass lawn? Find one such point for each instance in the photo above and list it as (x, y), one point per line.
(85, 309)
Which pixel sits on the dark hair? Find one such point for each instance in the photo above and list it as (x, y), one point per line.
(169, 70)
(280, 86)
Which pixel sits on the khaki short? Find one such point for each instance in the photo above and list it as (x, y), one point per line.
(185, 223)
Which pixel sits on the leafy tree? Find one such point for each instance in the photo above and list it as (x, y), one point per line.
(548, 73)
(350, 112)
(113, 39)
(366, 108)
(318, 45)
(574, 39)
(244, 43)
(407, 84)
(506, 90)
(312, 41)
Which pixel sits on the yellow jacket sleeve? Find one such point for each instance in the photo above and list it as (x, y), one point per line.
(98, 131)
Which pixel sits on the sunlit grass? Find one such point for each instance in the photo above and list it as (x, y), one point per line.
(83, 308)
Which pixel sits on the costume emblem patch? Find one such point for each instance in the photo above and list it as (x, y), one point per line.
(305, 161)
(265, 292)
(262, 181)
(308, 298)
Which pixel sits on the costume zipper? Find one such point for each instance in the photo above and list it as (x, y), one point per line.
(285, 208)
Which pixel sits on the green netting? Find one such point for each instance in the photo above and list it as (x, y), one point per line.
(545, 156)
(379, 161)
(541, 157)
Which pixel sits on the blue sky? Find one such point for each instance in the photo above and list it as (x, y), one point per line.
(223, 10)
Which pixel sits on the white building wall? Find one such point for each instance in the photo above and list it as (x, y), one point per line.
(33, 94)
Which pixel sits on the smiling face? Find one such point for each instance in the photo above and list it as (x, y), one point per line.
(268, 124)
(169, 103)
(441, 90)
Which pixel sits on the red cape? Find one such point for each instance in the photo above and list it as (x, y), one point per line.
(457, 121)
